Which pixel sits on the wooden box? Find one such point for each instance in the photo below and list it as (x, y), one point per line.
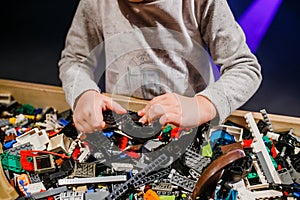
(40, 95)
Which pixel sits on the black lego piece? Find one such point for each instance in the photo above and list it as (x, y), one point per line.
(286, 145)
(67, 115)
(131, 126)
(136, 129)
(70, 131)
(295, 160)
(246, 133)
(2, 136)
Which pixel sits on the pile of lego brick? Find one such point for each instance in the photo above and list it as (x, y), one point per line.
(44, 157)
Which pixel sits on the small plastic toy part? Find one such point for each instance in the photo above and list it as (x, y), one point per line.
(261, 180)
(16, 150)
(181, 181)
(9, 144)
(220, 137)
(286, 145)
(243, 193)
(5, 98)
(71, 195)
(50, 192)
(27, 159)
(151, 195)
(33, 188)
(267, 120)
(23, 180)
(38, 139)
(11, 162)
(195, 161)
(102, 179)
(134, 128)
(207, 182)
(259, 148)
(127, 167)
(4, 122)
(236, 132)
(84, 170)
(43, 164)
(118, 192)
(152, 178)
(59, 143)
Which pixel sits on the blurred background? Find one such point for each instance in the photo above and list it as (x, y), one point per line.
(33, 32)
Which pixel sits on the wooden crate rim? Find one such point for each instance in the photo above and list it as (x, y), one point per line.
(56, 92)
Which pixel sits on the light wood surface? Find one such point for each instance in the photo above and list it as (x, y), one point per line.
(40, 95)
(279, 122)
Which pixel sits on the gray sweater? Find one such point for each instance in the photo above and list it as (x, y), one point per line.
(158, 46)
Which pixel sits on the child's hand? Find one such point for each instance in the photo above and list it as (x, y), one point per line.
(88, 116)
(179, 110)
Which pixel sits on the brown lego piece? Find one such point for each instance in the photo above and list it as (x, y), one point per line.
(206, 184)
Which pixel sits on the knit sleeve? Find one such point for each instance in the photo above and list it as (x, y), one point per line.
(239, 68)
(83, 36)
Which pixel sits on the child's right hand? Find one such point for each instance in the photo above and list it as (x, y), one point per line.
(88, 116)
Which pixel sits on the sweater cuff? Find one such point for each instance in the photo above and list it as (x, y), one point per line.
(220, 101)
(78, 82)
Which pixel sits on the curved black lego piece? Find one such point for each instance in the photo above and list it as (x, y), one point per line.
(131, 126)
(138, 130)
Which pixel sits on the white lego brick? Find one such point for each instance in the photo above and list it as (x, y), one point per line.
(35, 187)
(59, 143)
(122, 166)
(84, 154)
(102, 179)
(236, 132)
(5, 98)
(37, 138)
(260, 149)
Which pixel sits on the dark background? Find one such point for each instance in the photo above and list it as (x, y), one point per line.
(33, 32)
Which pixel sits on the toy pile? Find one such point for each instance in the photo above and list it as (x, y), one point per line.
(44, 157)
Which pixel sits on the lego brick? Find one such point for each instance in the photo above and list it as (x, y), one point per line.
(195, 161)
(10, 131)
(260, 149)
(236, 132)
(182, 181)
(151, 178)
(35, 188)
(38, 139)
(168, 187)
(84, 154)
(34, 178)
(72, 196)
(5, 98)
(194, 174)
(98, 195)
(243, 193)
(263, 183)
(59, 143)
(285, 177)
(43, 164)
(122, 167)
(102, 179)
(16, 150)
(118, 192)
(50, 192)
(84, 170)
(267, 120)
(11, 162)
